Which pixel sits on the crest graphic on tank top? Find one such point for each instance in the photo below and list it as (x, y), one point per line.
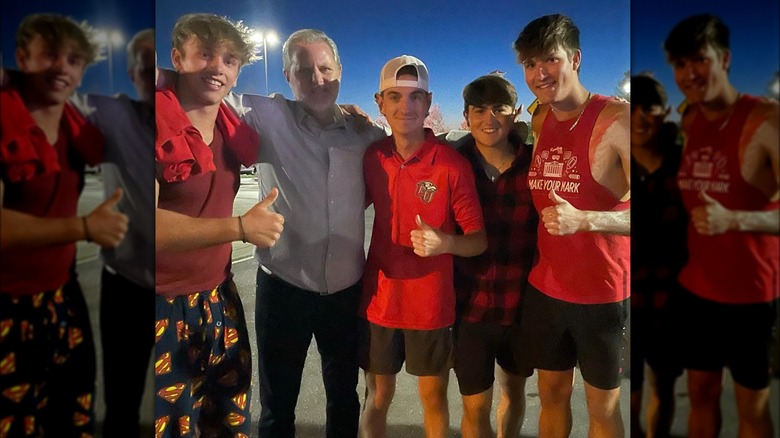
(704, 169)
(555, 169)
(425, 191)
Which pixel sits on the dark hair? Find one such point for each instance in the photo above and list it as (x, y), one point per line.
(56, 30)
(489, 89)
(212, 30)
(545, 34)
(695, 32)
(646, 91)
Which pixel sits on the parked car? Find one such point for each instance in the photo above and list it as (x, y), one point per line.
(94, 170)
(251, 170)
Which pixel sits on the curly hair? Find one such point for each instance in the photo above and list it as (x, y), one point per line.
(56, 30)
(212, 30)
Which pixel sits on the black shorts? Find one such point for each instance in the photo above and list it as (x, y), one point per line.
(383, 350)
(478, 347)
(558, 335)
(655, 341)
(737, 336)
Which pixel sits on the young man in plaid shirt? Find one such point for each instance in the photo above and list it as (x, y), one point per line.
(489, 286)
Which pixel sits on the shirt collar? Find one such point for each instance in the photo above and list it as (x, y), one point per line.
(427, 152)
(305, 119)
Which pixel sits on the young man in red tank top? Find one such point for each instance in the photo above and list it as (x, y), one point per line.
(576, 303)
(729, 181)
(47, 354)
(202, 352)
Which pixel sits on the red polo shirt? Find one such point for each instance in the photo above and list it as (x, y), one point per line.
(402, 289)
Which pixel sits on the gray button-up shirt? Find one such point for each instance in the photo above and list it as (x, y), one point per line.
(128, 127)
(319, 173)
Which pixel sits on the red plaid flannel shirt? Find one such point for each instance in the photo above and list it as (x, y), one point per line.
(489, 286)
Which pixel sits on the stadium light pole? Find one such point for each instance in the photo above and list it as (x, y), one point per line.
(265, 37)
(111, 38)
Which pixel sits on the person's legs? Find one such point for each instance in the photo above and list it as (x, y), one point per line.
(636, 411)
(604, 412)
(639, 339)
(660, 403)
(429, 356)
(474, 362)
(433, 396)
(476, 414)
(599, 333)
(47, 365)
(70, 409)
(555, 389)
(545, 343)
(337, 341)
(753, 411)
(381, 355)
(704, 391)
(127, 341)
(282, 323)
(511, 405)
(226, 409)
(749, 363)
(380, 390)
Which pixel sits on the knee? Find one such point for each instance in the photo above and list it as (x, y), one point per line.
(433, 397)
(555, 394)
(381, 397)
(704, 393)
(476, 411)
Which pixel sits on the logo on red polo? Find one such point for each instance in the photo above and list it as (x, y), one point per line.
(425, 191)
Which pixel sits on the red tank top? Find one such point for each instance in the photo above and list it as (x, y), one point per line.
(582, 268)
(207, 195)
(735, 267)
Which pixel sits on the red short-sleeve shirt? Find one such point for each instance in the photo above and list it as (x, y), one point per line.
(402, 289)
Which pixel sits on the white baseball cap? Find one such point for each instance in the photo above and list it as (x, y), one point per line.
(388, 76)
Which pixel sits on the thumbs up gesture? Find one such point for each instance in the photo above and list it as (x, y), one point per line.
(428, 241)
(562, 218)
(106, 226)
(711, 218)
(263, 227)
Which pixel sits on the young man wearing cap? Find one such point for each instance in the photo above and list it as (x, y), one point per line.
(657, 254)
(489, 286)
(423, 192)
(202, 353)
(729, 178)
(576, 304)
(47, 355)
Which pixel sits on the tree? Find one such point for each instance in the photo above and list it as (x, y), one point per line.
(623, 88)
(434, 120)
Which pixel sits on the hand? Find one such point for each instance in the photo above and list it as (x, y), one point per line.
(428, 241)
(107, 227)
(262, 226)
(711, 218)
(165, 78)
(562, 218)
(362, 120)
